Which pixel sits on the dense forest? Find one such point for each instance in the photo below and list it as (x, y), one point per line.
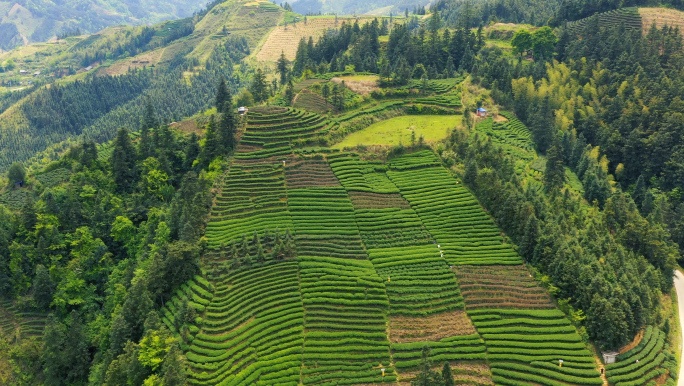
(96, 106)
(105, 249)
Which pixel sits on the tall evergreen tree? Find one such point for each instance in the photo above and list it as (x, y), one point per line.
(223, 96)
(212, 144)
(259, 87)
(282, 67)
(227, 127)
(554, 177)
(122, 162)
(447, 375)
(150, 116)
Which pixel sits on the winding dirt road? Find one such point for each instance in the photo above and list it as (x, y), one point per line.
(679, 287)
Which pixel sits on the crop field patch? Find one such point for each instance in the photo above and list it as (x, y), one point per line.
(16, 324)
(465, 373)
(405, 329)
(417, 279)
(252, 199)
(308, 173)
(324, 223)
(252, 329)
(359, 84)
(527, 345)
(644, 362)
(345, 322)
(272, 132)
(464, 232)
(398, 130)
(369, 200)
(284, 39)
(661, 17)
(495, 286)
(311, 101)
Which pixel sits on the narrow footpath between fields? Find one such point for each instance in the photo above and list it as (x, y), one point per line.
(679, 287)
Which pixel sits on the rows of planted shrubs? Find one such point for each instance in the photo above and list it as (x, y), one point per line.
(646, 361)
(251, 199)
(324, 222)
(528, 345)
(345, 322)
(466, 234)
(253, 330)
(418, 280)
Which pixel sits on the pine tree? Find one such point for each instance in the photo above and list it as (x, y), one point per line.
(282, 67)
(89, 153)
(530, 236)
(122, 162)
(447, 375)
(173, 369)
(150, 117)
(289, 93)
(554, 177)
(43, 287)
(227, 127)
(300, 59)
(470, 173)
(223, 96)
(639, 191)
(192, 151)
(212, 145)
(259, 88)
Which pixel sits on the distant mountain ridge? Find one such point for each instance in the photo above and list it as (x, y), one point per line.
(27, 21)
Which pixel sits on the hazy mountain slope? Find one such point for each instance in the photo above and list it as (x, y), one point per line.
(356, 6)
(174, 64)
(25, 21)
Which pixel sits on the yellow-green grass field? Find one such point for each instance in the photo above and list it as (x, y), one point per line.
(398, 130)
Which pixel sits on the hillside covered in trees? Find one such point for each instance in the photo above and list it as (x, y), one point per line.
(23, 22)
(161, 236)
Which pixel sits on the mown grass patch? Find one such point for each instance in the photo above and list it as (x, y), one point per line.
(398, 130)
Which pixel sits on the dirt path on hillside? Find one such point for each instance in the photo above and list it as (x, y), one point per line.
(679, 287)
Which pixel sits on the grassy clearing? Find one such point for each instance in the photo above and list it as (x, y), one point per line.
(398, 130)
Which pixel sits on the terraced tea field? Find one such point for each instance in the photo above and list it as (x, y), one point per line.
(643, 363)
(327, 268)
(16, 324)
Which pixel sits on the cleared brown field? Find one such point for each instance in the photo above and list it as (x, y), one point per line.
(360, 84)
(144, 60)
(431, 328)
(309, 173)
(286, 38)
(367, 200)
(465, 374)
(661, 17)
(501, 287)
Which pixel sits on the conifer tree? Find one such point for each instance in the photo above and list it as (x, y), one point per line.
(227, 127)
(173, 369)
(192, 151)
(282, 67)
(223, 96)
(289, 93)
(150, 117)
(212, 145)
(122, 162)
(554, 177)
(447, 375)
(259, 88)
